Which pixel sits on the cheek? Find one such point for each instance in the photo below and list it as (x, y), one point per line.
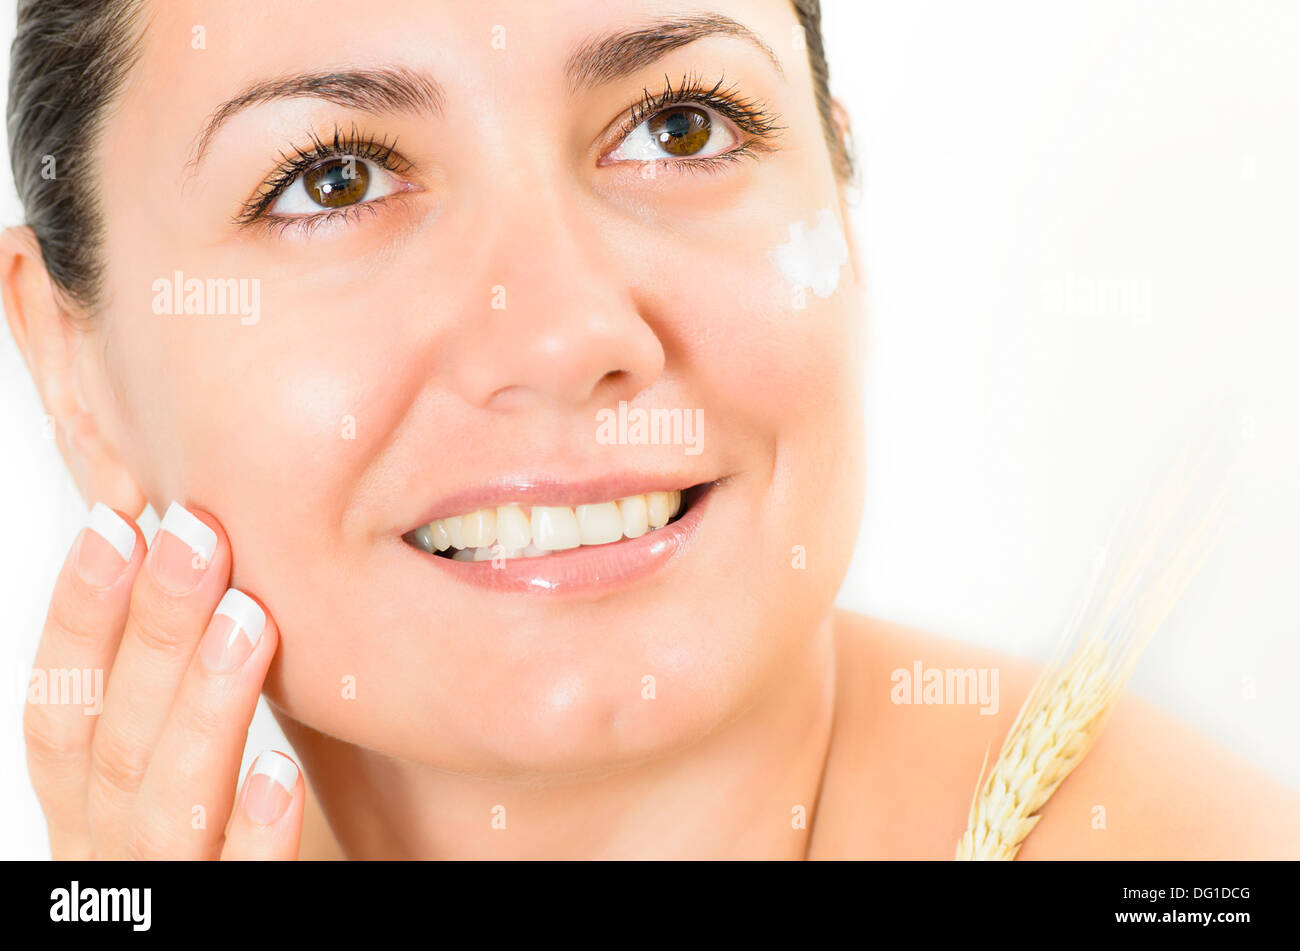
(276, 419)
(272, 427)
(767, 321)
(242, 415)
(782, 355)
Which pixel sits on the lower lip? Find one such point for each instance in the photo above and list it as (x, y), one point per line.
(587, 569)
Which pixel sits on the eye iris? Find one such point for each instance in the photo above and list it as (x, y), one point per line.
(337, 182)
(681, 131)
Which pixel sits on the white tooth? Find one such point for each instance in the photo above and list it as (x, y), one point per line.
(483, 554)
(532, 551)
(555, 528)
(658, 507)
(423, 538)
(599, 524)
(513, 528)
(455, 527)
(463, 554)
(635, 520)
(480, 528)
(438, 535)
(676, 501)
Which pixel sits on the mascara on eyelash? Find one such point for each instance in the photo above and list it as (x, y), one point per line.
(751, 115)
(354, 144)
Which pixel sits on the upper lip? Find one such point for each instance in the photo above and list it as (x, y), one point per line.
(538, 490)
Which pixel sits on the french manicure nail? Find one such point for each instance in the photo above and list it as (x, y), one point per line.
(105, 548)
(182, 550)
(233, 632)
(270, 787)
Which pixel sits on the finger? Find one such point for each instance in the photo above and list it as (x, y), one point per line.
(189, 789)
(267, 824)
(183, 578)
(82, 631)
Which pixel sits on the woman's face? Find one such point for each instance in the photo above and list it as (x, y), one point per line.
(433, 325)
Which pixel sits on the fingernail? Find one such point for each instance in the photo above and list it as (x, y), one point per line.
(104, 551)
(182, 550)
(232, 633)
(270, 787)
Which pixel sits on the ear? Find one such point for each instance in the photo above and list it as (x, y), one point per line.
(844, 133)
(58, 345)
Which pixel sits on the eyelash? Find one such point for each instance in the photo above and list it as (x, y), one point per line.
(293, 165)
(751, 116)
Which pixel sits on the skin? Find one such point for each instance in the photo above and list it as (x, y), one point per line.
(656, 290)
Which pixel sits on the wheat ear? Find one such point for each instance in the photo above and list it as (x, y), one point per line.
(1072, 699)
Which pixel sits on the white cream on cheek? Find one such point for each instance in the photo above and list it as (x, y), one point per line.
(813, 257)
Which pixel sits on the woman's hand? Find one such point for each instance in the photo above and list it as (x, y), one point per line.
(153, 775)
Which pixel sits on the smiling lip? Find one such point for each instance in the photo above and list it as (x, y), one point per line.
(593, 569)
(529, 491)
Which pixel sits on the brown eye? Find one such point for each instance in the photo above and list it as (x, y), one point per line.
(337, 182)
(680, 131)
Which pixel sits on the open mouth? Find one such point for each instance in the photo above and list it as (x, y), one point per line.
(513, 531)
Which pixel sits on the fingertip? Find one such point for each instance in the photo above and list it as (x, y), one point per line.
(115, 528)
(268, 820)
(271, 788)
(247, 613)
(197, 529)
(239, 626)
(106, 547)
(189, 550)
(210, 520)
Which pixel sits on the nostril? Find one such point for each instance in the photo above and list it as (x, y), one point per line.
(616, 380)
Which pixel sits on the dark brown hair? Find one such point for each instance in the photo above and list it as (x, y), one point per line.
(68, 63)
(838, 142)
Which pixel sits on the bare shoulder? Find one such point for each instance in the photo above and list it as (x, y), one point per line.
(916, 714)
(1154, 787)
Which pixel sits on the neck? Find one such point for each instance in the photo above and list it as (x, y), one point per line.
(748, 790)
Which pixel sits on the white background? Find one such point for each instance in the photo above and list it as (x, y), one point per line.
(1010, 152)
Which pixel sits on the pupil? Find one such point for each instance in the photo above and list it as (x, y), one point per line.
(338, 182)
(678, 125)
(333, 182)
(682, 131)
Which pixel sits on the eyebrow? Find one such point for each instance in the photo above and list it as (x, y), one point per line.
(403, 90)
(386, 89)
(608, 58)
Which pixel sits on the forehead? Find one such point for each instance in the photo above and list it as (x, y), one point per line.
(191, 49)
(196, 56)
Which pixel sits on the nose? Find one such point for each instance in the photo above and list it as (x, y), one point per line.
(557, 327)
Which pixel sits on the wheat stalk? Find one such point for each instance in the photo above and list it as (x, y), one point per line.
(1073, 697)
